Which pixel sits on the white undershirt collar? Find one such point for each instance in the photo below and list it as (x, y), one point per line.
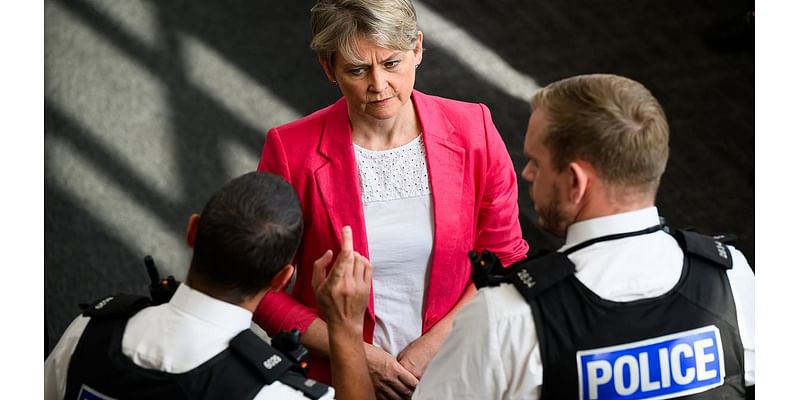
(209, 309)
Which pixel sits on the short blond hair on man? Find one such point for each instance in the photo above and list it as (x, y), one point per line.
(613, 123)
(336, 24)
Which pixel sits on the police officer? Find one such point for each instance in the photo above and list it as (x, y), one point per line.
(624, 309)
(198, 345)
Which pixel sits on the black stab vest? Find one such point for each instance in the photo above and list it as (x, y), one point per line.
(578, 329)
(99, 370)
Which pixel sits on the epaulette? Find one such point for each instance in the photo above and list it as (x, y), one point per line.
(272, 365)
(115, 305)
(707, 247)
(535, 275)
(725, 238)
(487, 270)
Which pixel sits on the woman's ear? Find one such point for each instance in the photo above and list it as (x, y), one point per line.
(418, 49)
(327, 68)
(191, 229)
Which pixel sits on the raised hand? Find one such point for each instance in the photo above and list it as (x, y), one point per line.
(343, 295)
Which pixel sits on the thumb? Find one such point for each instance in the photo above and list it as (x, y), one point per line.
(319, 272)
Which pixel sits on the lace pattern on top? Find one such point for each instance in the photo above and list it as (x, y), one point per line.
(399, 173)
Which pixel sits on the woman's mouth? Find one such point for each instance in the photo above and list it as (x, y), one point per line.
(380, 102)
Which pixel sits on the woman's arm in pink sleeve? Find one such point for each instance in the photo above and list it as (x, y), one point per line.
(279, 311)
(273, 157)
(498, 227)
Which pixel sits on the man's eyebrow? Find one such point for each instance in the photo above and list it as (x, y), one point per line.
(529, 155)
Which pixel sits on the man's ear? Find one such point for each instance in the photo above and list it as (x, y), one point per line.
(580, 175)
(191, 229)
(327, 68)
(282, 278)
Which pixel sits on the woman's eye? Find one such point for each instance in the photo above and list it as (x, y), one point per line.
(356, 71)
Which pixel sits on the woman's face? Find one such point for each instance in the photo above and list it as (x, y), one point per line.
(379, 84)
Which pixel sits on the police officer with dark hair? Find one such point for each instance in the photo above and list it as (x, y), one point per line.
(198, 345)
(626, 308)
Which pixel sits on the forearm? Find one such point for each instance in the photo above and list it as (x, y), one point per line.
(442, 328)
(316, 339)
(417, 355)
(349, 369)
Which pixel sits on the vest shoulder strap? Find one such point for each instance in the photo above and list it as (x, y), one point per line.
(118, 305)
(705, 247)
(272, 365)
(536, 275)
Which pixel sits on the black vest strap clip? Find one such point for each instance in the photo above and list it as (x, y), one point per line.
(273, 365)
(487, 270)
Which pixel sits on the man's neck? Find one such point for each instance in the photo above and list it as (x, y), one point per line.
(249, 303)
(604, 203)
(252, 303)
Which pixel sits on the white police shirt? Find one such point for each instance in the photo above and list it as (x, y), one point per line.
(175, 337)
(493, 350)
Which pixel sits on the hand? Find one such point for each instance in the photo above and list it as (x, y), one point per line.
(419, 353)
(391, 380)
(343, 294)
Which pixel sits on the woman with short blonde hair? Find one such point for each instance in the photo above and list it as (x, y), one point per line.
(422, 180)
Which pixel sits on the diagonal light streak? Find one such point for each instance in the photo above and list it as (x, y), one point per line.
(231, 88)
(136, 18)
(79, 178)
(473, 54)
(120, 101)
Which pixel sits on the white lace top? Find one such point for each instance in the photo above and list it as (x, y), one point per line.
(396, 195)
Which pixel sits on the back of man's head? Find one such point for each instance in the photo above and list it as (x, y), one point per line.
(248, 231)
(611, 122)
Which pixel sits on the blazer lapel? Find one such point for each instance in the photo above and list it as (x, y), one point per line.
(338, 180)
(338, 183)
(445, 171)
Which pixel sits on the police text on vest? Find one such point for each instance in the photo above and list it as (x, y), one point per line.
(664, 367)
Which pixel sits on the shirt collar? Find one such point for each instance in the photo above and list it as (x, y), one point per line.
(207, 308)
(631, 221)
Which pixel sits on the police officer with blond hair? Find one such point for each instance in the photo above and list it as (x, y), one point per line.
(626, 308)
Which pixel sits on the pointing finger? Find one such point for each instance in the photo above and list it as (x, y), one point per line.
(347, 239)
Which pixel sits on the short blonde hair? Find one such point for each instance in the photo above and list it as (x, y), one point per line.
(335, 24)
(613, 123)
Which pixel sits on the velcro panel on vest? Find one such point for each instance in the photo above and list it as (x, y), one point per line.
(706, 247)
(271, 364)
(116, 305)
(537, 275)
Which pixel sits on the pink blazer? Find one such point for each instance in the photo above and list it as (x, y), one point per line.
(474, 191)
